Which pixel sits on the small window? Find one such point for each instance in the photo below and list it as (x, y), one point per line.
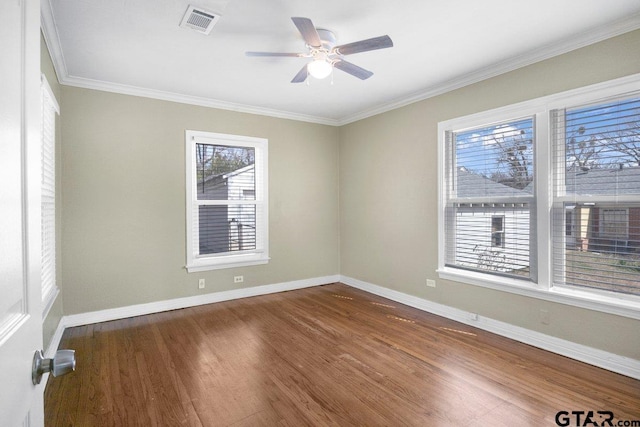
(568, 222)
(497, 231)
(227, 210)
(614, 223)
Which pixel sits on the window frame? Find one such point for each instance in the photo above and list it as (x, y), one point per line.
(542, 288)
(489, 257)
(196, 262)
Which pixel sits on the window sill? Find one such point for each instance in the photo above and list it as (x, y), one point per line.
(629, 307)
(206, 264)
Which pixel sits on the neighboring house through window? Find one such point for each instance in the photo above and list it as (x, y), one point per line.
(227, 202)
(489, 198)
(565, 166)
(597, 176)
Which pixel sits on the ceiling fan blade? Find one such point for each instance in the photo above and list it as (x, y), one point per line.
(295, 55)
(353, 69)
(301, 76)
(375, 43)
(308, 31)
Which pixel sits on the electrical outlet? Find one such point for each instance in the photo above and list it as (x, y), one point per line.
(431, 283)
(238, 279)
(201, 284)
(545, 318)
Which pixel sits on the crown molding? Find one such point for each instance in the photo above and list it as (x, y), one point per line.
(50, 32)
(584, 39)
(191, 100)
(52, 39)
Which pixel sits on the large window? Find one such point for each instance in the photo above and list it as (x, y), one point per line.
(542, 198)
(227, 202)
(489, 198)
(597, 184)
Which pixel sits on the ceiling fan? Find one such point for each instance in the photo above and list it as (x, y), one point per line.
(326, 55)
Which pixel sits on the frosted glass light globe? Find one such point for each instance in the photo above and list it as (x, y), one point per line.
(319, 68)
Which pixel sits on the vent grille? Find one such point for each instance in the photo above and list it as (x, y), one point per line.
(200, 20)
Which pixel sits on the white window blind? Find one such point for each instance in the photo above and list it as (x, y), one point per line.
(48, 193)
(596, 213)
(227, 206)
(225, 188)
(489, 199)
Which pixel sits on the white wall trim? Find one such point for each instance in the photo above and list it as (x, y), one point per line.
(603, 359)
(620, 27)
(174, 304)
(85, 83)
(48, 301)
(52, 39)
(593, 36)
(55, 340)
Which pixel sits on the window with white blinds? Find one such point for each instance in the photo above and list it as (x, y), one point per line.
(546, 204)
(48, 193)
(596, 205)
(227, 201)
(489, 199)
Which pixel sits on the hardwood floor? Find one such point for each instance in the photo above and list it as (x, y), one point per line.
(329, 355)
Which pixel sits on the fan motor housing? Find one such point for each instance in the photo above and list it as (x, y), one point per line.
(328, 38)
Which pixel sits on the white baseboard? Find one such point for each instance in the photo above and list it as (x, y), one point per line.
(600, 358)
(603, 359)
(174, 304)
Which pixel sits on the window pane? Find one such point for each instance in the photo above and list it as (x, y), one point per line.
(495, 160)
(602, 149)
(475, 245)
(488, 220)
(225, 173)
(594, 254)
(227, 228)
(597, 179)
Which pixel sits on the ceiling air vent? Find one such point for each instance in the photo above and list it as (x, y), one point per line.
(199, 19)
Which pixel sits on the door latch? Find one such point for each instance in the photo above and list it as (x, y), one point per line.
(62, 363)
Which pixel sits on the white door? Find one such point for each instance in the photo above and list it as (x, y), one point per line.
(21, 403)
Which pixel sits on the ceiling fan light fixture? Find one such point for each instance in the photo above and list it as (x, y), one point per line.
(320, 68)
(321, 46)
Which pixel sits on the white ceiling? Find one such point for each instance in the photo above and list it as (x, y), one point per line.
(137, 47)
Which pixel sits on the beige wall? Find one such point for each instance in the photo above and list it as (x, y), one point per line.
(50, 323)
(359, 200)
(123, 223)
(388, 196)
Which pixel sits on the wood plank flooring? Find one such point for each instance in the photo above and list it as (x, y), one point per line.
(329, 355)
